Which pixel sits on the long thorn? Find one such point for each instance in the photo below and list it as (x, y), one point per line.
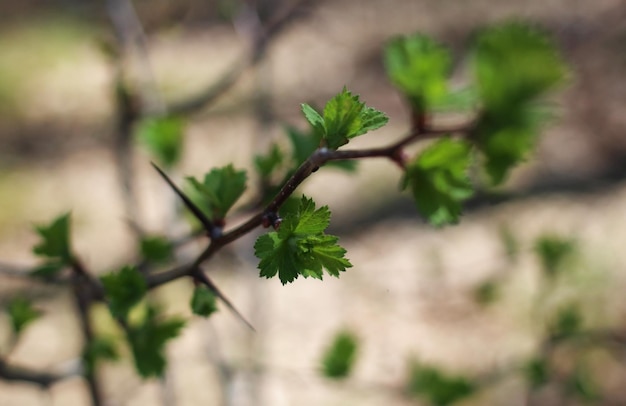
(201, 276)
(208, 224)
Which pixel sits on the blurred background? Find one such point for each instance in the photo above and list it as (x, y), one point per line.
(478, 302)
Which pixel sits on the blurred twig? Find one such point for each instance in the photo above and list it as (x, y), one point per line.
(43, 379)
(260, 39)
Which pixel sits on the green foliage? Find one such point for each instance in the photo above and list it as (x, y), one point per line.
(203, 301)
(304, 144)
(487, 293)
(147, 341)
(514, 64)
(267, 164)
(582, 385)
(99, 348)
(124, 289)
(438, 180)
(510, 243)
(55, 240)
(515, 67)
(554, 253)
(219, 191)
(156, 249)
(48, 269)
(567, 322)
(21, 313)
(339, 357)
(164, 138)
(300, 247)
(419, 68)
(437, 387)
(537, 373)
(345, 117)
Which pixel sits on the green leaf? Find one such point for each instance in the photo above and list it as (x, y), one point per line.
(515, 63)
(487, 293)
(55, 242)
(537, 372)
(203, 302)
(419, 68)
(147, 341)
(583, 386)
(97, 349)
(48, 269)
(568, 321)
(267, 164)
(515, 67)
(506, 139)
(21, 313)
(339, 357)
(219, 191)
(554, 253)
(300, 246)
(345, 117)
(462, 100)
(510, 243)
(438, 180)
(164, 138)
(124, 289)
(438, 388)
(156, 249)
(303, 145)
(314, 118)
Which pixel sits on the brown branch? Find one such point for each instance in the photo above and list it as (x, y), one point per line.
(43, 379)
(83, 289)
(281, 20)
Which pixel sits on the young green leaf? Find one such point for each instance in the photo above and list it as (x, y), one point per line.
(267, 164)
(48, 269)
(55, 240)
(164, 138)
(300, 247)
(219, 191)
(124, 289)
(21, 313)
(554, 253)
(147, 341)
(419, 67)
(345, 117)
(487, 293)
(203, 301)
(97, 349)
(515, 63)
(583, 385)
(156, 249)
(515, 67)
(339, 357)
(438, 180)
(567, 322)
(437, 387)
(505, 139)
(537, 372)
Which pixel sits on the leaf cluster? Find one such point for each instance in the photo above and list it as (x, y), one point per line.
(300, 247)
(219, 190)
(344, 117)
(339, 357)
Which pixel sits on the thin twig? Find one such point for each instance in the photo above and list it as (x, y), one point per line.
(83, 299)
(43, 379)
(232, 74)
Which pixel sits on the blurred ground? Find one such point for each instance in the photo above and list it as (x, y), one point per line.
(410, 291)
